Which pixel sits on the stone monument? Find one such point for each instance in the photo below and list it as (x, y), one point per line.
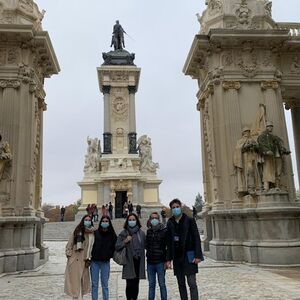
(26, 59)
(247, 68)
(124, 170)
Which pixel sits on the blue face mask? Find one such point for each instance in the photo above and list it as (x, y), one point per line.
(176, 211)
(131, 223)
(154, 222)
(104, 225)
(87, 223)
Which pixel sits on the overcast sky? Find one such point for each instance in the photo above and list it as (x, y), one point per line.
(162, 32)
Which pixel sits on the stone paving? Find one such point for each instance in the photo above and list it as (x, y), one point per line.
(215, 281)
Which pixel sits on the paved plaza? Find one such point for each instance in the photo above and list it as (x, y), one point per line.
(215, 281)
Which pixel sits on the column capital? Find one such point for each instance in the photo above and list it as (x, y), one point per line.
(292, 103)
(106, 89)
(10, 83)
(271, 84)
(132, 89)
(231, 85)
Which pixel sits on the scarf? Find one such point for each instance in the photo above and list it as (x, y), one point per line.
(136, 242)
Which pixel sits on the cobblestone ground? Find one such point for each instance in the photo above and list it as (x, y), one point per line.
(215, 281)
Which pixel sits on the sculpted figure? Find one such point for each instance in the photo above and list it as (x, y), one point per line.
(272, 151)
(245, 162)
(93, 155)
(118, 37)
(5, 156)
(145, 151)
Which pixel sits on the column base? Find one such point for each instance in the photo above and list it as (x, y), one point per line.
(264, 236)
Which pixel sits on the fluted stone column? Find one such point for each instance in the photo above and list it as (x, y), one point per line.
(296, 128)
(132, 122)
(107, 136)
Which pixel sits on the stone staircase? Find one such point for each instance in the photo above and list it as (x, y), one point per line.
(61, 231)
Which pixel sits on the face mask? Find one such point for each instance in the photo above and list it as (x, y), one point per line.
(131, 223)
(154, 222)
(87, 224)
(104, 225)
(176, 211)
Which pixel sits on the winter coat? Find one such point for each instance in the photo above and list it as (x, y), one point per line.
(104, 245)
(189, 241)
(76, 271)
(156, 244)
(128, 269)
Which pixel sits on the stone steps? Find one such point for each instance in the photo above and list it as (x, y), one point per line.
(60, 231)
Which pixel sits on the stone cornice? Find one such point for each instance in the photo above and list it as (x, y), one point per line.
(10, 83)
(231, 85)
(271, 84)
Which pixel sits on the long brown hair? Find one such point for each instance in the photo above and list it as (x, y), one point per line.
(80, 227)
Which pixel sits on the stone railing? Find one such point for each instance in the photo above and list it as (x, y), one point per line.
(293, 27)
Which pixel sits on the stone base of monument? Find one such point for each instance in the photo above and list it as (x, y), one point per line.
(265, 236)
(20, 244)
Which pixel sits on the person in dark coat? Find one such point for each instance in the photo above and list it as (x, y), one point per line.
(156, 247)
(184, 249)
(133, 238)
(102, 252)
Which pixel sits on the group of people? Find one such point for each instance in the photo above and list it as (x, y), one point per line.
(128, 209)
(90, 250)
(106, 210)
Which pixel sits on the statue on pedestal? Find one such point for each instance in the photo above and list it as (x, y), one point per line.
(118, 37)
(93, 155)
(245, 162)
(145, 151)
(272, 151)
(5, 156)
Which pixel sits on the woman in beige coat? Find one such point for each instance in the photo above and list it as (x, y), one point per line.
(78, 252)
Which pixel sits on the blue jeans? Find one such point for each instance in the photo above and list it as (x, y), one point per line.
(152, 269)
(96, 267)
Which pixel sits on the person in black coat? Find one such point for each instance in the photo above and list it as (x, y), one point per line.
(184, 249)
(156, 256)
(102, 252)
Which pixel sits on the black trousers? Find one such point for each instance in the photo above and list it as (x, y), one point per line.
(132, 285)
(191, 279)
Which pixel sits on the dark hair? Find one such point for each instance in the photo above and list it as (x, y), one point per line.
(175, 201)
(138, 223)
(80, 227)
(154, 213)
(110, 228)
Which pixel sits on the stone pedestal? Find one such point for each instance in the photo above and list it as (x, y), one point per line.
(246, 66)
(26, 59)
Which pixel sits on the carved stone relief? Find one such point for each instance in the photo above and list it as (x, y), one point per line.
(5, 156)
(7, 83)
(247, 61)
(120, 108)
(119, 76)
(12, 56)
(214, 7)
(243, 13)
(92, 158)
(26, 5)
(2, 56)
(295, 65)
(227, 59)
(120, 138)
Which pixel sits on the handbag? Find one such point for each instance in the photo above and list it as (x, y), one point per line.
(120, 257)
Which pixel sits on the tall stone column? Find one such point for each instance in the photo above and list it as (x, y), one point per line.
(27, 58)
(296, 128)
(107, 136)
(132, 149)
(242, 84)
(295, 111)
